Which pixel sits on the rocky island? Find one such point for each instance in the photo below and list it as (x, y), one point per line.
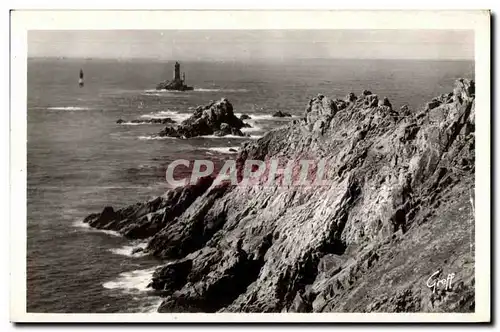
(398, 211)
(216, 118)
(177, 84)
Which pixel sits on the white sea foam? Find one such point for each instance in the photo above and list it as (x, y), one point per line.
(69, 108)
(233, 136)
(179, 117)
(263, 117)
(255, 116)
(132, 123)
(154, 92)
(128, 250)
(132, 281)
(148, 138)
(224, 149)
(128, 123)
(81, 224)
(219, 90)
(253, 129)
(152, 306)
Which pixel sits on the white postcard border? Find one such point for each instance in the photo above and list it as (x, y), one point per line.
(22, 21)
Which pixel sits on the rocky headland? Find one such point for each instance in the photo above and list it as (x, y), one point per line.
(398, 210)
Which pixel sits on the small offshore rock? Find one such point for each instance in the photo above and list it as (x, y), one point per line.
(280, 114)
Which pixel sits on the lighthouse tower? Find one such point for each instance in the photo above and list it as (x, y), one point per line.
(178, 83)
(177, 72)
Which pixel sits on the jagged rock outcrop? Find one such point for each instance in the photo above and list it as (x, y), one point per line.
(143, 220)
(216, 118)
(172, 276)
(386, 102)
(396, 206)
(176, 85)
(341, 104)
(281, 114)
(350, 98)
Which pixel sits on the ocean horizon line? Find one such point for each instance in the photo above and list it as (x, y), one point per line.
(257, 60)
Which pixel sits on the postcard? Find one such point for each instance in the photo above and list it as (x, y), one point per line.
(250, 166)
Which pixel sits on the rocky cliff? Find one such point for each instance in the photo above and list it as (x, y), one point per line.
(396, 215)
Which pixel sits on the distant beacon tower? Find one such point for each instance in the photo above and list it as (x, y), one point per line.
(80, 79)
(177, 71)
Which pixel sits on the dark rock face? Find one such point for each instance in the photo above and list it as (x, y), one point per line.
(280, 114)
(152, 121)
(386, 102)
(171, 277)
(142, 220)
(245, 117)
(371, 100)
(176, 85)
(351, 98)
(225, 129)
(405, 110)
(341, 104)
(216, 118)
(397, 206)
(433, 104)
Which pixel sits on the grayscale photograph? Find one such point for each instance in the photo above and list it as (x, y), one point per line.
(251, 171)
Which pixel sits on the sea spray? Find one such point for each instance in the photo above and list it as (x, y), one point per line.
(132, 281)
(135, 249)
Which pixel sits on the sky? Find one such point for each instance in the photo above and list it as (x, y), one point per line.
(213, 45)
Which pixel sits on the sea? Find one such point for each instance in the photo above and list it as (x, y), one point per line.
(79, 160)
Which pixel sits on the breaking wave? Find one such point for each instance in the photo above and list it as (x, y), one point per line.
(128, 250)
(225, 150)
(133, 123)
(69, 108)
(132, 281)
(81, 224)
(179, 117)
(219, 90)
(233, 136)
(262, 117)
(253, 129)
(155, 138)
